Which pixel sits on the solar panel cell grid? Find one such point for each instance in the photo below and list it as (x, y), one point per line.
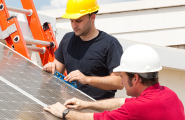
(25, 89)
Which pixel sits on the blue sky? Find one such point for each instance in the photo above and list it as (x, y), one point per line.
(54, 4)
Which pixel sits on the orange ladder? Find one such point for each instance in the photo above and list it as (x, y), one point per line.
(43, 36)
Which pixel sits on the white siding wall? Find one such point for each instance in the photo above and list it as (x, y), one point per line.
(163, 26)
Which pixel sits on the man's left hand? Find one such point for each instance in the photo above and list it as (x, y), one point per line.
(76, 75)
(56, 109)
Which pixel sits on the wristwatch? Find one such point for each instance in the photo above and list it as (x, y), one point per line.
(66, 111)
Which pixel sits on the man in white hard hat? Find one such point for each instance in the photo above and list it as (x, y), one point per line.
(139, 72)
(88, 54)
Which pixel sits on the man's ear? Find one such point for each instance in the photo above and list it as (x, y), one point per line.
(93, 16)
(136, 79)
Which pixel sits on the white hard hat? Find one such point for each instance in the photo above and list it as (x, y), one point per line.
(139, 59)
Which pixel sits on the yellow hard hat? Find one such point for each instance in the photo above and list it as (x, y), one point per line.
(78, 8)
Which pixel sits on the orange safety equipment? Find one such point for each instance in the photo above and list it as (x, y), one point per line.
(78, 8)
(14, 37)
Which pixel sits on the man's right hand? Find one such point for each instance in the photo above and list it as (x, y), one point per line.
(50, 67)
(75, 103)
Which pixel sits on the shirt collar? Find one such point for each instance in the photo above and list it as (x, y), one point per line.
(153, 87)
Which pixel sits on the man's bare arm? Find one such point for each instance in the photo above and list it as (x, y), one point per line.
(74, 115)
(57, 109)
(101, 105)
(111, 82)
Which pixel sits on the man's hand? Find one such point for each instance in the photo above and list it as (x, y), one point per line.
(49, 67)
(76, 75)
(75, 103)
(56, 109)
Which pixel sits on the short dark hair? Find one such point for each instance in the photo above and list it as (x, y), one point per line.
(144, 81)
(93, 13)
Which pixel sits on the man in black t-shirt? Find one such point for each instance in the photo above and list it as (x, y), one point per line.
(89, 55)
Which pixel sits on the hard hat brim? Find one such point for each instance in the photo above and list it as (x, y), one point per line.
(77, 15)
(121, 69)
(72, 16)
(118, 69)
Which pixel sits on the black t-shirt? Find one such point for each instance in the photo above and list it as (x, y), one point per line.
(97, 57)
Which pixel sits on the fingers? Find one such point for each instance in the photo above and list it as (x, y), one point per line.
(56, 109)
(70, 102)
(49, 67)
(47, 109)
(53, 68)
(72, 106)
(71, 78)
(74, 103)
(74, 75)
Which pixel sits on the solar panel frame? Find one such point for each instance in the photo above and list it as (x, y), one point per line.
(25, 88)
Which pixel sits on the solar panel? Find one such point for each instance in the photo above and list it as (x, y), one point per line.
(25, 89)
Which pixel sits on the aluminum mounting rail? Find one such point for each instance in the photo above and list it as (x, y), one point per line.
(37, 49)
(19, 10)
(39, 42)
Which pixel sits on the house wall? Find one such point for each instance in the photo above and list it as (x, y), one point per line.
(160, 26)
